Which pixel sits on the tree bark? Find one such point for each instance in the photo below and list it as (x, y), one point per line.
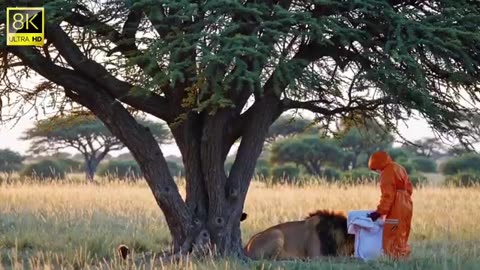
(91, 165)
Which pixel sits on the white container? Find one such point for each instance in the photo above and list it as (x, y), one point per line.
(368, 234)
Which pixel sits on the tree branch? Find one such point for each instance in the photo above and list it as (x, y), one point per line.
(67, 78)
(367, 105)
(125, 41)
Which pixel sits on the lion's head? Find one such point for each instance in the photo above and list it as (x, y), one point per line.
(333, 233)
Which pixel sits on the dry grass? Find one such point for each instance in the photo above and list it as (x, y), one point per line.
(75, 226)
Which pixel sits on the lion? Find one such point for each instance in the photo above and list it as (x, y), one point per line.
(322, 233)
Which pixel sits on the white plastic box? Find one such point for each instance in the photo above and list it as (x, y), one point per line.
(368, 234)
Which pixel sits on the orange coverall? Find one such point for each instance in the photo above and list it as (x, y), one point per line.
(395, 203)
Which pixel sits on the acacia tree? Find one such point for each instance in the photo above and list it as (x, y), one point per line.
(310, 151)
(363, 136)
(221, 71)
(286, 126)
(86, 134)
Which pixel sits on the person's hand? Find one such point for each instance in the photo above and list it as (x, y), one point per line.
(374, 215)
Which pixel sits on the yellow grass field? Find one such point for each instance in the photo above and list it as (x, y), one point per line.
(76, 226)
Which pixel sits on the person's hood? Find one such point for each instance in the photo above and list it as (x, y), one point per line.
(379, 160)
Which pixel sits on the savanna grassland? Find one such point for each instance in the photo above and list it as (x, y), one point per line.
(78, 226)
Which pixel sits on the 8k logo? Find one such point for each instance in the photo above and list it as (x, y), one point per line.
(25, 26)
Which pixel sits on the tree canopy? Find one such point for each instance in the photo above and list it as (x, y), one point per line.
(220, 71)
(310, 151)
(10, 161)
(286, 126)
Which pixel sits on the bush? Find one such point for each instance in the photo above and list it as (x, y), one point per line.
(10, 161)
(407, 165)
(175, 168)
(330, 174)
(464, 163)
(286, 171)
(399, 155)
(44, 169)
(417, 180)
(423, 164)
(121, 169)
(70, 165)
(359, 175)
(465, 179)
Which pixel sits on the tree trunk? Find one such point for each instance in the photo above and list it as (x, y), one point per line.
(91, 165)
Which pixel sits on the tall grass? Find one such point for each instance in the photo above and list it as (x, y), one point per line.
(76, 226)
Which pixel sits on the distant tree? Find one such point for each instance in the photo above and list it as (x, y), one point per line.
(120, 169)
(10, 161)
(424, 164)
(61, 155)
(86, 134)
(125, 156)
(309, 151)
(362, 136)
(286, 126)
(287, 172)
(427, 147)
(399, 154)
(465, 163)
(44, 169)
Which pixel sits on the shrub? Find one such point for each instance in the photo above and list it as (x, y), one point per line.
(359, 175)
(423, 164)
(286, 171)
(10, 161)
(44, 169)
(330, 174)
(70, 165)
(262, 171)
(418, 180)
(399, 154)
(121, 169)
(464, 163)
(407, 165)
(175, 168)
(465, 179)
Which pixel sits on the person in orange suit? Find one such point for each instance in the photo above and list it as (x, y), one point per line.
(395, 203)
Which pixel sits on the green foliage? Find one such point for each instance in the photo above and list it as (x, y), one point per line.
(463, 179)
(175, 168)
(407, 165)
(361, 138)
(85, 133)
(359, 175)
(463, 163)
(286, 126)
(10, 161)
(44, 169)
(79, 131)
(121, 169)
(309, 151)
(288, 172)
(129, 169)
(417, 179)
(426, 147)
(330, 174)
(399, 154)
(423, 164)
(70, 165)
(262, 169)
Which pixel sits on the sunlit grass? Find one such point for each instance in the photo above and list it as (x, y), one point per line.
(74, 225)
